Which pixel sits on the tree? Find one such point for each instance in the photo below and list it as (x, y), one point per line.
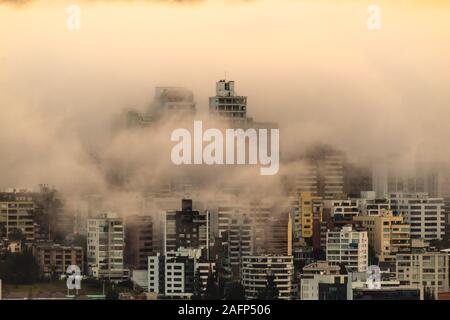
(19, 268)
(270, 292)
(197, 286)
(16, 235)
(212, 289)
(373, 259)
(235, 291)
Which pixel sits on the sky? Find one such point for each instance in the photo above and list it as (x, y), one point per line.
(312, 66)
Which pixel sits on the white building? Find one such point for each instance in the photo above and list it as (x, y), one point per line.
(348, 247)
(320, 272)
(371, 205)
(257, 269)
(105, 245)
(425, 215)
(343, 209)
(173, 275)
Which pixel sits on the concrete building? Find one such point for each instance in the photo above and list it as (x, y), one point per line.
(54, 259)
(236, 243)
(321, 172)
(370, 205)
(427, 269)
(342, 210)
(17, 212)
(139, 241)
(105, 247)
(257, 269)
(277, 236)
(348, 247)
(387, 234)
(185, 228)
(173, 100)
(318, 274)
(226, 103)
(174, 275)
(310, 209)
(425, 215)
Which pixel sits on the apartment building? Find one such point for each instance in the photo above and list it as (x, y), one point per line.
(257, 269)
(348, 247)
(105, 247)
(238, 242)
(318, 277)
(54, 259)
(387, 234)
(370, 205)
(425, 215)
(342, 209)
(174, 275)
(185, 228)
(17, 212)
(310, 209)
(427, 269)
(139, 241)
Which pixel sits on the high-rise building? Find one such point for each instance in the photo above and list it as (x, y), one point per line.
(257, 269)
(321, 172)
(388, 234)
(185, 228)
(260, 213)
(278, 236)
(310, 209)
(139, 241)
(174, 275)
(227, 104)
(17, 214)
(237, 242)
(424, 214)
(169, 100)
(348, 247)
(429, 269)
(105, 247)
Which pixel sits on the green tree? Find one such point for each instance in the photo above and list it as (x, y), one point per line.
(197, 286)
(19, 268)
(212, 289)
(270, 292)
(235, 291)
(16, 235)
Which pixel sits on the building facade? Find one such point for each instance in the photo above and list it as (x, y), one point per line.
(105, 247)
(349, 248)
(257, 269)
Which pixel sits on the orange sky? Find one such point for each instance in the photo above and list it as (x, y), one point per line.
(311, 65)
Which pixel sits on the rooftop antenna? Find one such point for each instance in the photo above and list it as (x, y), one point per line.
(225, 76)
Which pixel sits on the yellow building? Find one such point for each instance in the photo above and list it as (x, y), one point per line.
(387, 234)
(310, 209)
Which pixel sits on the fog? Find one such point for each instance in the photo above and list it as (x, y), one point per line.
(311, 66)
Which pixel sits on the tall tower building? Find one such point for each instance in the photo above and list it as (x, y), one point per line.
(105, 247)
(139, 240)
(185, 228)
(348, 247)
(169, 100)
(226, 103)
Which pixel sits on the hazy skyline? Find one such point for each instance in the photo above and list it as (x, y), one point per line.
(311, 66)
